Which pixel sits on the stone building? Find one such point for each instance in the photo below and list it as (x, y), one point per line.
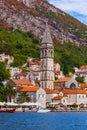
(67, 82)
(47, 61)
(35, 93)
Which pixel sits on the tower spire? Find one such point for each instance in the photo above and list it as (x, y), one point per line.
(47, 36)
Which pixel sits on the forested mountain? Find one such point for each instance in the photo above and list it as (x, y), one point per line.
(22, 24)
(31, 15)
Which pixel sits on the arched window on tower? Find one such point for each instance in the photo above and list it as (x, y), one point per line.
(42, 84)
(42, 53)
(45, 52)
(51, 77)
(48, 52)
(51, 53)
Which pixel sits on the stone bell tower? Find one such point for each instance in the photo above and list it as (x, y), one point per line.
(47, 60)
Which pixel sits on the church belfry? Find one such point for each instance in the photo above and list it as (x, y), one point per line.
(47, 61)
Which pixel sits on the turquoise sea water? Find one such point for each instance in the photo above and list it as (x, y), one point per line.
(43, 121)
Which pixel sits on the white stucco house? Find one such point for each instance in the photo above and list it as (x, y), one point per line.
(70, 97)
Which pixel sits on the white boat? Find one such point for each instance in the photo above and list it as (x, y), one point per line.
(43, 110)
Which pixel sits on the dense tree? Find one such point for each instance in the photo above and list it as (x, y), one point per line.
(1, 92)
(80, 79)
(4, 73)
(23, 45)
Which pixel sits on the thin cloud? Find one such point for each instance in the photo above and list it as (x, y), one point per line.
(79, 6)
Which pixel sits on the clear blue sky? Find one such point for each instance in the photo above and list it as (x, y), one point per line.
(76, 8)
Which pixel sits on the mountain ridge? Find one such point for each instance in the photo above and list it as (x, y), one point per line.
(31, 16)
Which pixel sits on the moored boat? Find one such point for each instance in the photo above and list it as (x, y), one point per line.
(8, 110)
(43, 110)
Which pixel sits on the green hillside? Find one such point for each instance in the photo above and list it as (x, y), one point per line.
(23, 45)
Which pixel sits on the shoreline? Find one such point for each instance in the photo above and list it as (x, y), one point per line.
(69, 111)
(53, 111)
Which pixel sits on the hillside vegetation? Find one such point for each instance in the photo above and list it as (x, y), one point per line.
(23, 45)
(64, 20)
(32, 15)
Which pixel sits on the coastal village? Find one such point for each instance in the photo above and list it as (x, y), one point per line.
(44, 81)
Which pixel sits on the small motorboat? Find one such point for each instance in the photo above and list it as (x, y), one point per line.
(8, 110)
(43, 110)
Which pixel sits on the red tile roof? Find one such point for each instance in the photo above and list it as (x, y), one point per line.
(57, 72)
(49, 91)
(83, 67)
(28, 89)
(56, 64)
(22, 82)
(74, 91)
(83, 85)
(57, 87)
(57, 98)
(63, 79)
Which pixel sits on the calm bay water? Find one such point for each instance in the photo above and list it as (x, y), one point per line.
(43, 121)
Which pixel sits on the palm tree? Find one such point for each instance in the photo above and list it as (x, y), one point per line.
(9, 92)
(1, 92)
(23, 97)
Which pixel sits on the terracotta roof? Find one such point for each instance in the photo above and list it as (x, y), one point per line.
(83, 85)
(49, 91)
(28, 89)
(83, 67)
(57, 97)
(56, 64)
(36, 62)
(62, 79)
(22, 81)
(57, 87)
(57, 72)
(74, 91)
(22, 74)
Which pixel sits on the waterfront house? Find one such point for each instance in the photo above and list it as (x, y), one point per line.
(71, 96)
(35, 93)
(60, 99)
(50, 94)
(76, 96)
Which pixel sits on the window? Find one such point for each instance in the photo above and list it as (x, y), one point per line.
(32, 96)
(45, 52)
(43, 95)
(69, 96)
(82, 96)
(79, 96)
(63, 100)
(39, 95)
